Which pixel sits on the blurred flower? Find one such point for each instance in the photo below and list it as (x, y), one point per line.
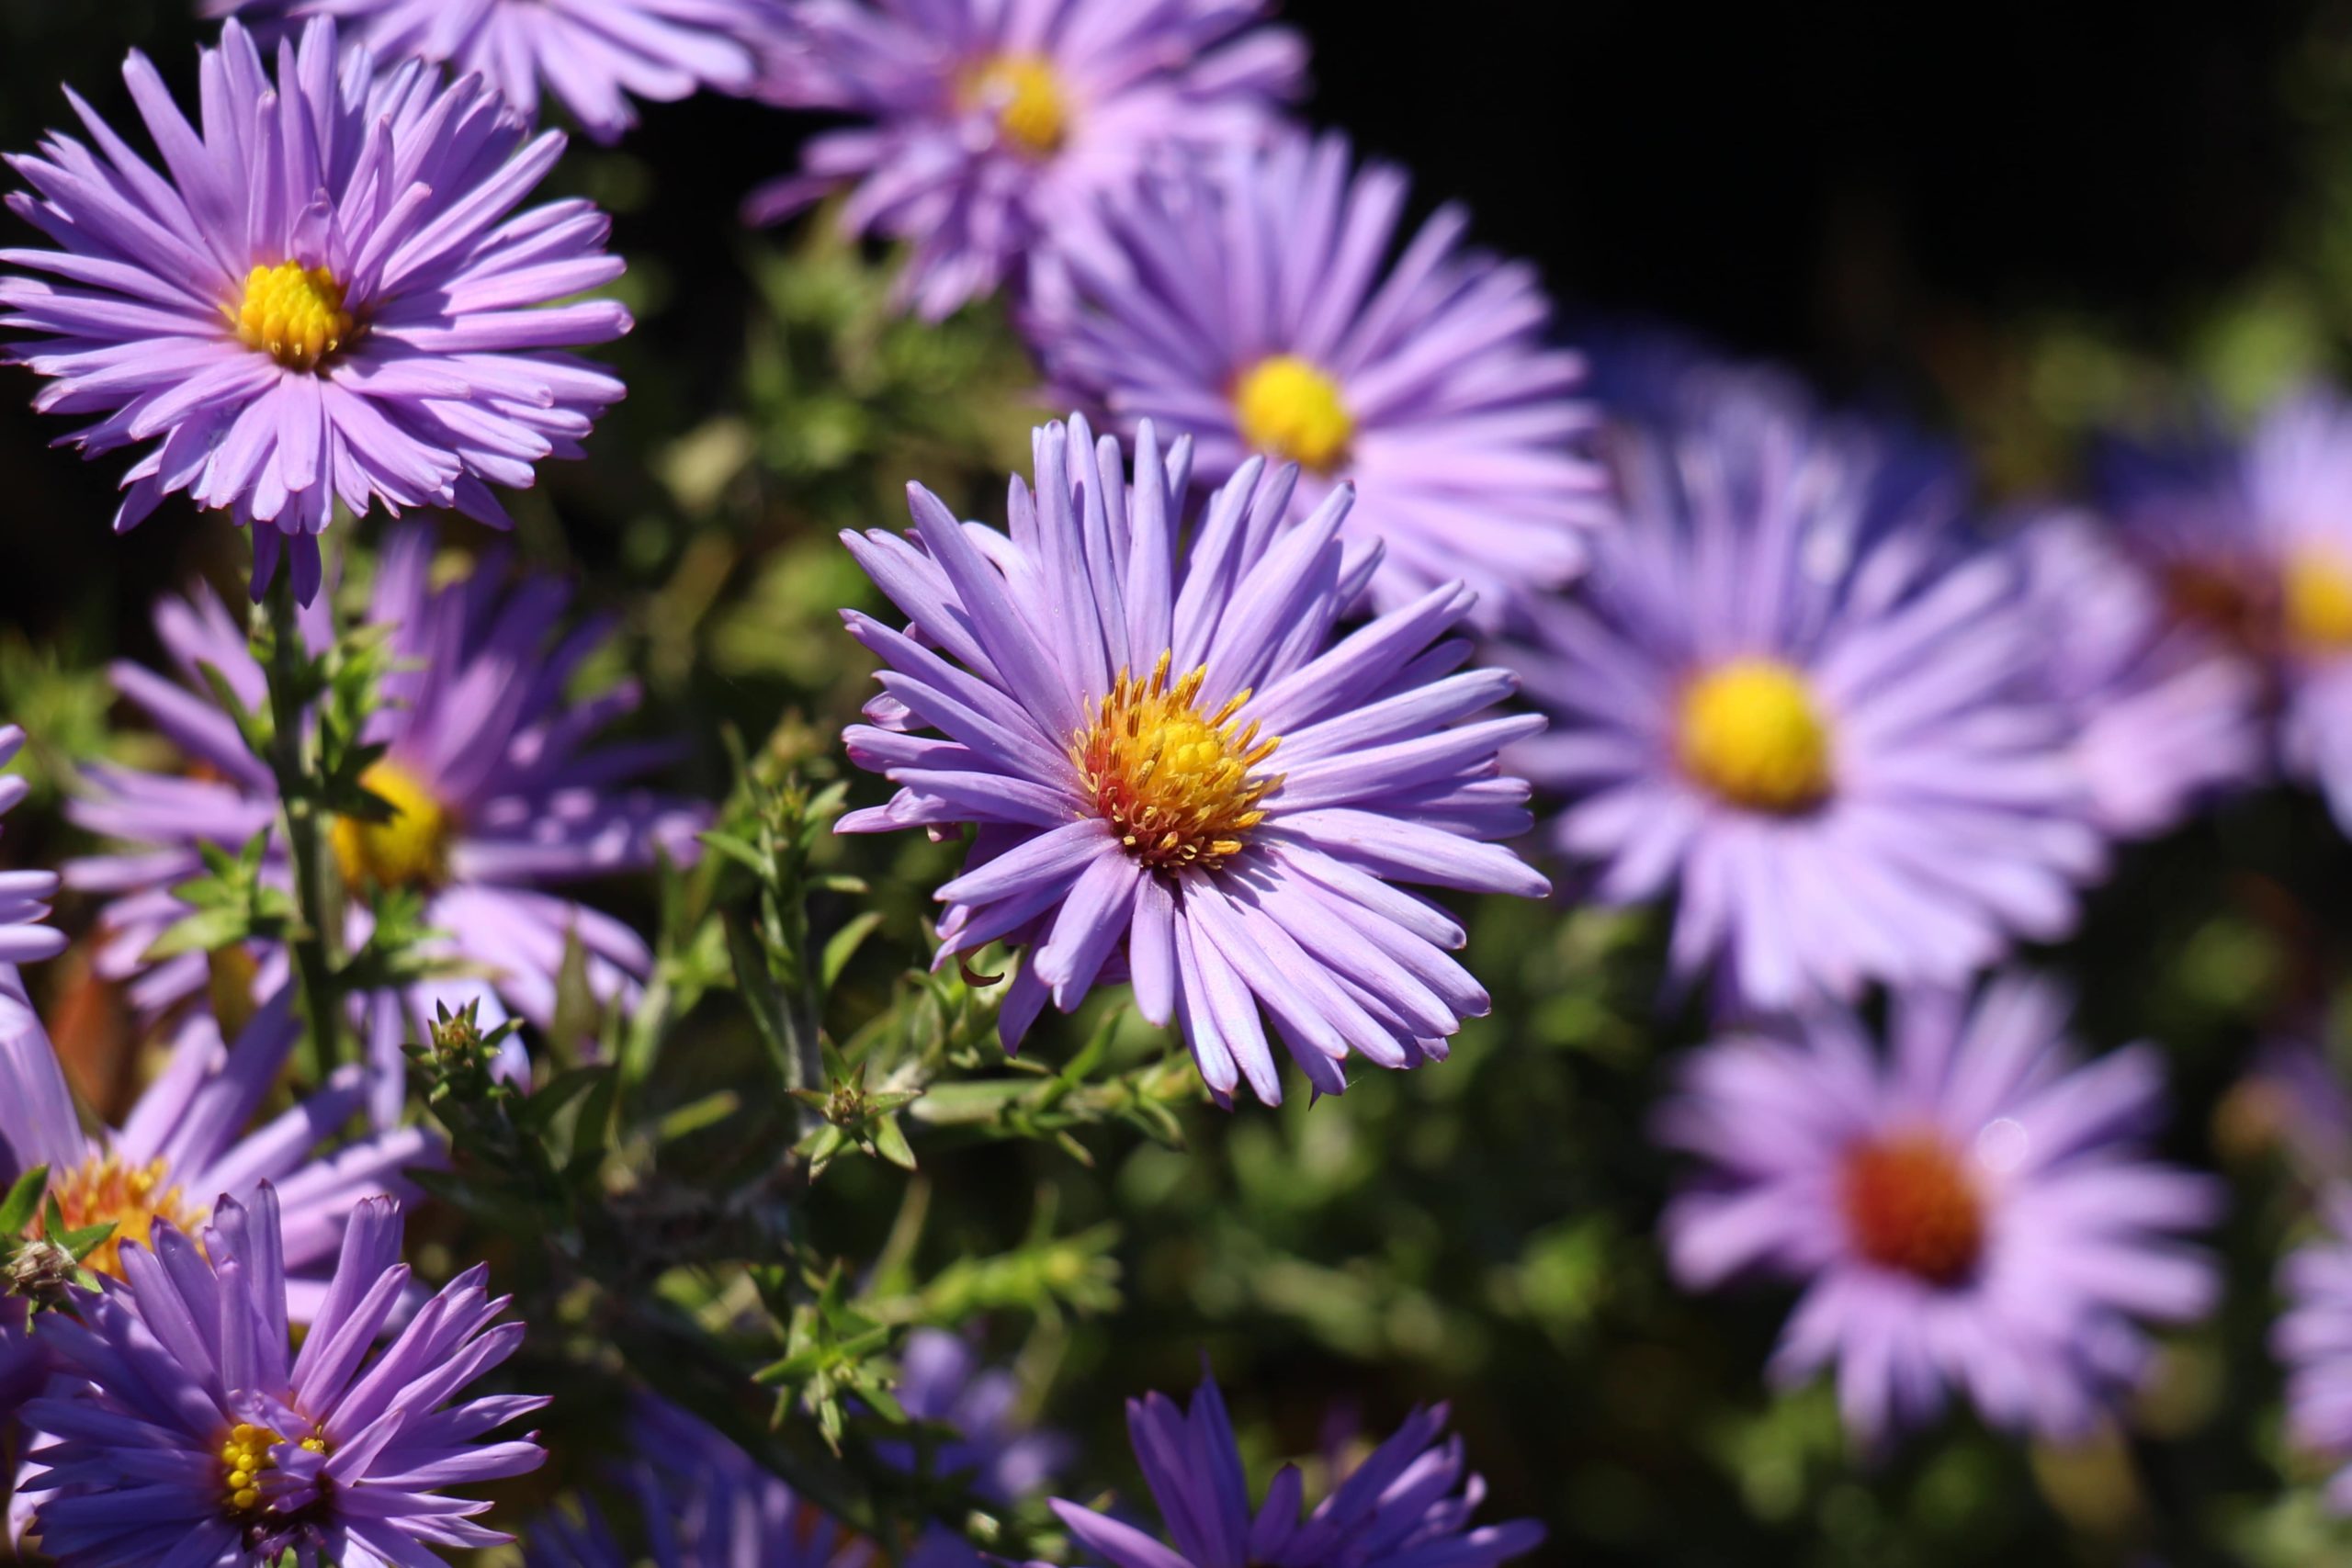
(704, 1503)
(2162, 715)
(24, 895)
(1114, 729)
(190, 1138)
(494, 785)
(594, 54)
(994, 1453)
(1401, 1507)
(1969, 1210)
(1262, 305)
(1793, 690)
(326, 298)
(997, 130)
(196, 1440)
(2313, 1340)
(2251, 544)
(2293, 1100)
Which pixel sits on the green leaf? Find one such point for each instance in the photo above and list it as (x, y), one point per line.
(844, 944)
(16, 1210)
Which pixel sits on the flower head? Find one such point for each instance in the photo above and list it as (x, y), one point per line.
(190, 1139)
(995, 132)
(595, 55)
(1791, 690)
(1969, 1209)
(2162, 715)
(1178, 774)
(327, 294)
(1409, 1503)
(1254, 303)
(497, 786)
(24, 895)
(198, 1435)
(2247, 545)
(705, 1503)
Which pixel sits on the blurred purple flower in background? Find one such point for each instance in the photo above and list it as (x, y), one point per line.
(1116, 727)
(1408, 1504)
(1261, 303)
(1969, 1209)
(2313, 1340)
(2163, 716)
(2251, 542)
(996, 130)
(491, 770)
(196, 1439)
(1795, 693)
(704, 1503)
(24, 895)
(595, 55)
(329, 298)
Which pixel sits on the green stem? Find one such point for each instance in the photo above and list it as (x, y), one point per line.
(316, 939)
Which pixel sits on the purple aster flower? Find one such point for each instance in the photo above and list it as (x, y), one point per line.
(996, 130)
(1409, 1504)
(1793, 690)
(1969, 1209)
(2162, 715)
(24, 895)
(1255, 305)
(595, 55)
(198, 1438)
(2313, 1340)
(704, 1503)
(2247, 541)
(190, 1138)
(1177, 775)
(496, 784)
(329, 294)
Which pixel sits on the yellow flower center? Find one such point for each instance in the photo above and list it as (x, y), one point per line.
(2315, 591)
(410, 850)
(1177, 785)
(103, 1190)
(245, 1457)
(1032, 111)
(293, 314)
(1292, 409)
(1752, 733)
(1909, 1205)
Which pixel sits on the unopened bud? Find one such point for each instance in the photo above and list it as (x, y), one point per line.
(41, 1271)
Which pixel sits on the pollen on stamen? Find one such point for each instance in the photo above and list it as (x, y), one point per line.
(106, 1189)
(1181, 787)
(294, 314)
(1026, 97)
(1294, 409)
(1910, 1205)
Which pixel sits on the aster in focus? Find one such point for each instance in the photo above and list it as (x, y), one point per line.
(2247, 545)
(1177, 775)
(24, 895)
(1795, 693)
(199, 1437)
(1263, 303)
(328, 294)
(702, 1501)
(1409, 1504)
(994, 131)
(191, 1138)
(496, 784)
(1971, 1210)
(2164, 716)
(595, 55)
